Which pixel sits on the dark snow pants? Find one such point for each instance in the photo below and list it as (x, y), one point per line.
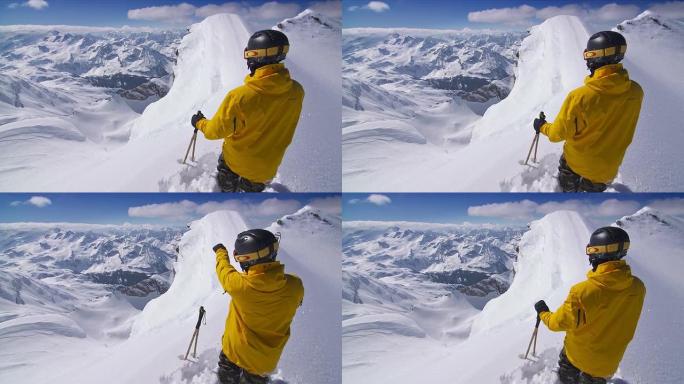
(229, 373)
(570, 181)
(230, 181)
(569, 374)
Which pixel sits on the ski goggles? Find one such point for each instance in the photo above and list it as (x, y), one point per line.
(608, 248)
(265, 52)
(263, 252)
(610, 51)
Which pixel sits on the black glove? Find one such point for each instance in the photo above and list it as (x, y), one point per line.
(195, 118)
(541, 306)
(219, 246)
(538, 122)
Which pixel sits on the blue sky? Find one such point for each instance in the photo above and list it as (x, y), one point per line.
(495, 14)
(151, 208)
(155, 13)
(500, 208)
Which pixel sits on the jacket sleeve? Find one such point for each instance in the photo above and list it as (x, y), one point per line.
(566, 316)
(224, 123)
(228, 276)
(565, 125)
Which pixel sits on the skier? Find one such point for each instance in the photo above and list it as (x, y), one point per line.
(264, 300)
(600, 314)
(597, 120)
(256, 120)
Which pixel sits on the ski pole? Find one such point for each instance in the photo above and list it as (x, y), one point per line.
(536, 145)
(191, 145)
(534, 141)
(533, 339)
(195, 334)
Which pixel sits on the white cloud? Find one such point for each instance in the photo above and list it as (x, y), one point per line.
(36, 4)
(183, 210)
(672, 206)
(379, 199)
(330, 204)
(182, 12)
(213, 9)
(527, 209)
(673, 9)
(330, 8)
(614, 12)
(375, 6)
(185, 13)
(178, 210)
(12, 5)
(36, 201)
(511, 16)
(274, 10)
(375, 198)
(527, 15)
(514, 210)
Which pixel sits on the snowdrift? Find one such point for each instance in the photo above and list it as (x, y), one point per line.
(550, 260)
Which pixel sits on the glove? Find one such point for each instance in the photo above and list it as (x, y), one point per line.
(541, 306)
(539, 122)
(219, 246)
(196, 118)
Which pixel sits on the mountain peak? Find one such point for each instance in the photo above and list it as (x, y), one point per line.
(645, 19)
(308, 19)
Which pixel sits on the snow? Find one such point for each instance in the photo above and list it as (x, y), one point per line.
(120, 150)
(551, 259)
(465, 152)
(108, 341)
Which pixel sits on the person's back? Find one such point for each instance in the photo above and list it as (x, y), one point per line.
(608, 308)
(600, 315)
(256, 120)
(263, 303)
(597, 122)
(268, 106)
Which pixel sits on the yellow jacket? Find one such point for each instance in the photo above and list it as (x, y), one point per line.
(257, 121)
(597, 122)
(262, 306)
(599, 317)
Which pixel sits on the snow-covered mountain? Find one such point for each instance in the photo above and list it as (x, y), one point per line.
(476, 261)
(440, 147)
(550, 260)
(134, 260)
(98, 335)
(94, 139)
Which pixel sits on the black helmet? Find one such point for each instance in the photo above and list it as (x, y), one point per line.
(607, 244)
(603, 48)
(255, 246)
(266, 47)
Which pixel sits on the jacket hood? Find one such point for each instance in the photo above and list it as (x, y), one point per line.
(612, 275)
(272, 79)
(266, 277)
(611, 79)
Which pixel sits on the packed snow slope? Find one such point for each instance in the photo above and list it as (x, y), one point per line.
(209, 64)
(549, 66)
(550, 261)
(160, 334)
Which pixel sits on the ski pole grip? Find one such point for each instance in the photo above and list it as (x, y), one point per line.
(538, 321)
(199, 319)
(542, 115)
